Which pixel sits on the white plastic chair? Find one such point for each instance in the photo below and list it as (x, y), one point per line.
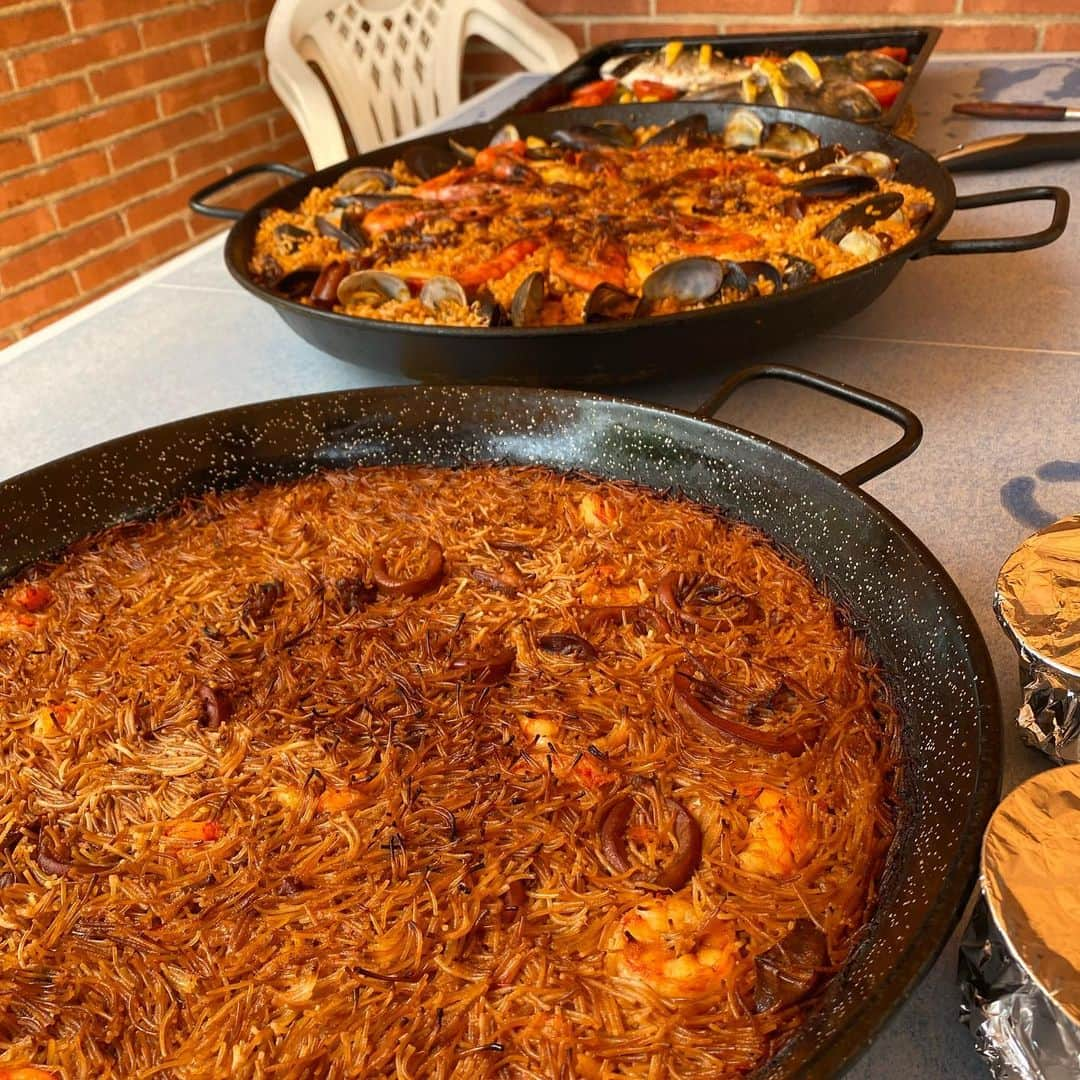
(392, 64)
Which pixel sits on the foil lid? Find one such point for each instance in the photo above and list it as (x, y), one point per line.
(1038, 595)
(1038, 602)
(1020, 957)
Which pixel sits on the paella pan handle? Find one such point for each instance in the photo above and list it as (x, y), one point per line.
(892, 455)
(198, 202)
(986, 245)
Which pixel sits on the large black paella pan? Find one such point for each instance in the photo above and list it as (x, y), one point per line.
(636, 348)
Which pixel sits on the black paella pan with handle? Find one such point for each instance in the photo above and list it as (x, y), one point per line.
(607, 353)
(898, 595)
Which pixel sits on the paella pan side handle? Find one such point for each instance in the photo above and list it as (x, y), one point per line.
(892, 455)
(198, 202)
(991, 244)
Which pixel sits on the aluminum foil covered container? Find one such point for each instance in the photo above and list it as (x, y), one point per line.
(1038, 602)
(1020, 956)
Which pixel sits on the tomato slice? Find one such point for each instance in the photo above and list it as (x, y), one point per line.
(647, 88)
(896, 52)
(597, 93)
(885, 90)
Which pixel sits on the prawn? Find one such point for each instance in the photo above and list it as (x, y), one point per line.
(541, 733)
(669, 946)
(499, 265)
(778, 838)
(609, 267)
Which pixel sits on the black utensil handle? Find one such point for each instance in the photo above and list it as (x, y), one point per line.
(991, 244)
(1012, 151)
(903, 448)
(198, 202)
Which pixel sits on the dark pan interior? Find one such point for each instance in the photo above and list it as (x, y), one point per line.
(918, 40)
(612, 352)
(914, 618)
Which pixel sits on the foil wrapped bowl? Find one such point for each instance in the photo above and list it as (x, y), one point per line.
(1020, 955)
(1037, 600)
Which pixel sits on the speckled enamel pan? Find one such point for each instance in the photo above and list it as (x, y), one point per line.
(898, 595)
(633, 349)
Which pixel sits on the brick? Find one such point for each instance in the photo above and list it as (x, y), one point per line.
(142, 253)
(293, 150)
(726, 7)
(201, 227)
(34, 325)
(25, 225)
(489, 63)
(988, 37)
(767, 27)
(875, 7)
(1022, 7)
(163, 138)
(48, 179)
(259, 10)
(599, 32)
(236, 43)
(116, 192)
(147, 69)
(96, 126)
(15, 154)
(75, 55)
(237, 110)
(222, 149)
(593, 7)
(1064, 37)
(37, 24)
(48, 102)
(282, 125)
(86, 13)
(205, 87)
(574, 30)
(192, 21)
(158, 205)
(64, 248)
(16, 308)
(6, 82)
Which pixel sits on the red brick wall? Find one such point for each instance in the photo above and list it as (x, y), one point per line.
(111, 113)
(970, 25)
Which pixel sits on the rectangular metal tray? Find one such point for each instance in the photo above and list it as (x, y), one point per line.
(918, 40)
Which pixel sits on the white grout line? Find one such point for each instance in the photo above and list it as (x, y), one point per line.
(982, 346)
(103, 303)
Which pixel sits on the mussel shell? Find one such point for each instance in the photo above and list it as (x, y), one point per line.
(744, 130)
(689, 129)
(368, 201)
(528, 300)
(798, 272)
(439, 290)
(850, 100)
(868, 163)
(755, 269)
(834, 186)
(288, 231)
(344, 234)
(427, 160)
(493, 312)
(861, 215)
(623, 135)
(376, 286)
(465, 154)
(783, 141)
(608, 303)
(817, 159)
(365, 180)
(296, 283)
(586, 137)
(867, 66)
(691, 280)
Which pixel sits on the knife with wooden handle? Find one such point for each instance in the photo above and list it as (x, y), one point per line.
(1004, 110)
(1012, 151)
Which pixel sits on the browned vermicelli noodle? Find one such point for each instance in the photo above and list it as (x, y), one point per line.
(265, 814)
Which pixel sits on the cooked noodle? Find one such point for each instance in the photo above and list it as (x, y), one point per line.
(265, 813)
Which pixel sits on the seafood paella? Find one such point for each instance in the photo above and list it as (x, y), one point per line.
(860, 85)
(419, 772)
(599, 223)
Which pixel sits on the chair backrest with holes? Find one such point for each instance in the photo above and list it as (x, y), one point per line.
(392, 65)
